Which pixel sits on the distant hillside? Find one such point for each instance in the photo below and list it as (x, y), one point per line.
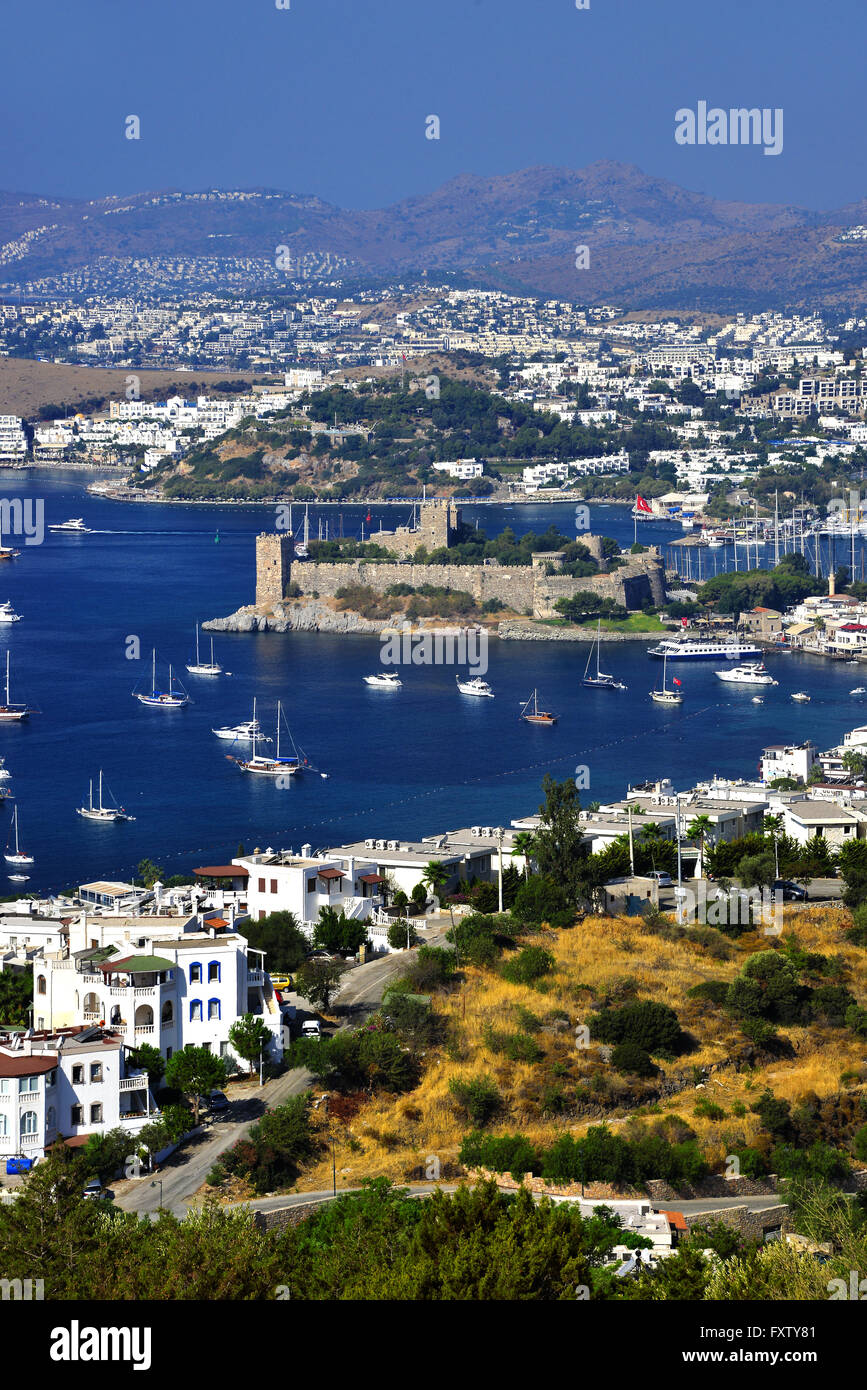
(652, 243)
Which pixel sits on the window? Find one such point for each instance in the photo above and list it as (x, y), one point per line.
(169, 1051)
(28, 1122)
(273, 885)
(195, 1011)
(213, 1008)
(311, 885)
(40, 984)
(262, 913)
(4, 1086)
(261, 885)
(3, 1127)
(96, 1071)
(28, 1083)
(224, 1049)
(40, 1022)
(96, 1114)
(196, 973)
(51, 1119)
(167, 1013)
(51, 1079)
(76, 1115)
(213, 972)
(78, 1075)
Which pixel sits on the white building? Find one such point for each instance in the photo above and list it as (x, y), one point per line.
(462, 468)
(788, 760)
(66, 1084)
(162, 980)
(13, 440)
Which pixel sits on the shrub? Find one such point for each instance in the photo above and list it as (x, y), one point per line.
(833, 1003)
(216, 1175)
(819, 1163)
(714, 990)
(652, 1026)
(709, 1110)
(528, 966)
(856, 1019)
(518, 1047)
(859, 1143)
(751, 1163)
(540, 899)
(631, 1059)
(506, 1153)
(479, 1099)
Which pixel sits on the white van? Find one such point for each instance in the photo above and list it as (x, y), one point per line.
(311, 1028)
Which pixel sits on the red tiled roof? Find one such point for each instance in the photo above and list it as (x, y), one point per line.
(331, 873)
(372, 878)
(675, 1219)
(222, 871)
(26, 1066)
(852, 627)
(216, 922)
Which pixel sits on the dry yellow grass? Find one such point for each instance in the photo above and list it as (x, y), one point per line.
(398, 1136)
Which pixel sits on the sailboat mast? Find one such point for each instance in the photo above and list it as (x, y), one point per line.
(254, 726)
(278, 731)
(7, 678)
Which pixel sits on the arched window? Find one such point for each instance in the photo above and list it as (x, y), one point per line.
(28, 1122)
(213, 972)
(195, 972)
(195, 1011)
(40, 984)
(167, 1012)
(213, 1008)
(91, 1003)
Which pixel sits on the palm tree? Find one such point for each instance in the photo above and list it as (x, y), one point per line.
(698, 829)
(524, 843)
(435, 875)
(773, 826)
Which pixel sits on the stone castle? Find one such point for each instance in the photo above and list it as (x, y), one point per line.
(525, 589)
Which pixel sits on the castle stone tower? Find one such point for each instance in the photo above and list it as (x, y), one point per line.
(274, 552)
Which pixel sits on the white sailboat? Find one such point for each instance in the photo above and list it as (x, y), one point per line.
(9, 712)
(19, 858)
(666, 696)
(204, 668)
(278, 766)
(162, 699)
(601, 681)
(101, 812)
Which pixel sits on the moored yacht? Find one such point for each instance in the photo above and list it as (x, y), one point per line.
(384, 680)
(8, 614)
(748, 673)
(278, 766)
(476, 686)
(204, 668)
(101, 812)
(704, 648)
(162, 699)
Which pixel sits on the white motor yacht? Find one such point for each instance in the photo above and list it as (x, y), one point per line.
(748, 673)
(476, 686)
(384, 680)
(8, 614)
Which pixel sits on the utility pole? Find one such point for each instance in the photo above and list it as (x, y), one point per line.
(500, 868)
(679, 863)
(631, 846)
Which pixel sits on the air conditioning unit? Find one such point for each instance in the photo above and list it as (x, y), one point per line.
(369, 844)
(380, 844)
(490, 831)
(475, 831)
(392, 844)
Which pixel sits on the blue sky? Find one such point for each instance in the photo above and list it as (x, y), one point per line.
(330, 96)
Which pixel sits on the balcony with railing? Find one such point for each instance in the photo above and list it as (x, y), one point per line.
(144, 1030)
(255, 977)
(134, 1083)
(91, 1017)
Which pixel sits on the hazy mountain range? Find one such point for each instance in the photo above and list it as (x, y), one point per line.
(651, 243)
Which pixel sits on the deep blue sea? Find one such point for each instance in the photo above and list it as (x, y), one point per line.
(405, 763)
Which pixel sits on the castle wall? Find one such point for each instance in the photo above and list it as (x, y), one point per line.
(513, 587)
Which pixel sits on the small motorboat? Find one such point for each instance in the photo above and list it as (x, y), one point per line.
(476, 686)
(75, 524)
(758, 699)
(801, 696)
(859, 690)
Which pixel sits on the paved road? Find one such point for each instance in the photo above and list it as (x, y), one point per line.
(184, 1172)
(691, 1207)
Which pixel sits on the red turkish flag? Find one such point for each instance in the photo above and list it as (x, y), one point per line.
(641, 505)
(675, 681)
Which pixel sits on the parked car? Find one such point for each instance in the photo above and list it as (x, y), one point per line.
(663, 879)
(311, 1028)
(95, 1192)
(281, 982)
(218, 1102)
(792, 892)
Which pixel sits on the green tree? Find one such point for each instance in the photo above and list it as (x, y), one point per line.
(523, 844)
(147, 1058)
(560, 848)
(16, 996)
(317, 981)
(194, 1071)
(149, 873)
(401, 934)
(541, 899)
(250, 1038)
(282, 940)
(334, 931)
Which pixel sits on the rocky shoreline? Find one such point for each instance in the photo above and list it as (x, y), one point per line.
(316, 616)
